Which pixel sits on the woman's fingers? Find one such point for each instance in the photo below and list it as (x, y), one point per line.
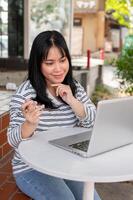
(61, 89)
(38, 108)
(32, 112)
(30, 106)
(26, 104)
(56, 86)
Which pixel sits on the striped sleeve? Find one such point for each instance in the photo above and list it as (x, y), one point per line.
(16, 120)
(16, 116)
(89, 107)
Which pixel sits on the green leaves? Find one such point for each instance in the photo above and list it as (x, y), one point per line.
(120, 11)
(124, 65)
(100, 93)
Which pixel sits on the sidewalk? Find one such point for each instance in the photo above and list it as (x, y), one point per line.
(115, 191)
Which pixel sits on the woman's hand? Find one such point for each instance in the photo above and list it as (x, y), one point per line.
(64, 91)
(32, 111)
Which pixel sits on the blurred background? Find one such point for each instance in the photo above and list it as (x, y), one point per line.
(99, 34)
(95, 30)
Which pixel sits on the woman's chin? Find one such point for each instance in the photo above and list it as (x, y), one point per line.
(58, 81)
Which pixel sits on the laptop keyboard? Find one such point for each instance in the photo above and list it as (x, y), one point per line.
(83, 146)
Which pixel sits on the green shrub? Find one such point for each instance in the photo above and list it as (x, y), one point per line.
(110, 61)
(124, 67)
(100, 93)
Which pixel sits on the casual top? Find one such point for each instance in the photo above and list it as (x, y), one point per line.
(62, 116)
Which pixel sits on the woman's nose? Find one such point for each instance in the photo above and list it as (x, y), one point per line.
(57, 66)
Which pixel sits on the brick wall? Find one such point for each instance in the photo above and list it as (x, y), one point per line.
(5, 148)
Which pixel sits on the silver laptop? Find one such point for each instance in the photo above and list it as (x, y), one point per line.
(113, 128)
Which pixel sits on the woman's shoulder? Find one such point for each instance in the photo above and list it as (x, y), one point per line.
(25, 90)
(23, 87)
(79, 87)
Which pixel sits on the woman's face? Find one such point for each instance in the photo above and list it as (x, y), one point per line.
(55, 67)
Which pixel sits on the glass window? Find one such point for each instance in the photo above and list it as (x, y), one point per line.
(16, 28)
(11, 28)
(51, 15)
(3, 28)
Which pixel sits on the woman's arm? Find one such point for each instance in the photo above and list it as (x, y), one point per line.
(89, 107)
(81, 105)
(24, 118)
(16, 120)
(31, 112)
(78, 108)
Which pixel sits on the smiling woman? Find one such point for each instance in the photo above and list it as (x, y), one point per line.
(50, 98)
(55, 67)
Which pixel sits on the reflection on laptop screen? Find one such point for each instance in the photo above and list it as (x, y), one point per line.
(81, 145)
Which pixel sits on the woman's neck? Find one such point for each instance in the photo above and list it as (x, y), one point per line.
(52, 90)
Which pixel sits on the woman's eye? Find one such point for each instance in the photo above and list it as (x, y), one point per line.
(49, 63)
(63, 60)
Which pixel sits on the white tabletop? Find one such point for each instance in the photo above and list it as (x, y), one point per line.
(113, 166)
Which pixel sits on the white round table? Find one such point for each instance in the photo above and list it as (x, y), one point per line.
(113, 166)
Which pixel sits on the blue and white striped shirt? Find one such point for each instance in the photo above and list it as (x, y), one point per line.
(63, 116)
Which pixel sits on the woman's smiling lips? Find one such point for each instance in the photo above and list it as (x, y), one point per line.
(59, 76)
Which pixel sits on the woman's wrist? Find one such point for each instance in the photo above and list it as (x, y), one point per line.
(72, 101)
(27, 129)
(78, 108)
(29, 123)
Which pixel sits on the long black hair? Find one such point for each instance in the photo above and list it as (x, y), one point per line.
(39, 52)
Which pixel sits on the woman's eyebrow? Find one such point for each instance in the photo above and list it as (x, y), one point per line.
(62, 57)
(54, 60)
(49, 60)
